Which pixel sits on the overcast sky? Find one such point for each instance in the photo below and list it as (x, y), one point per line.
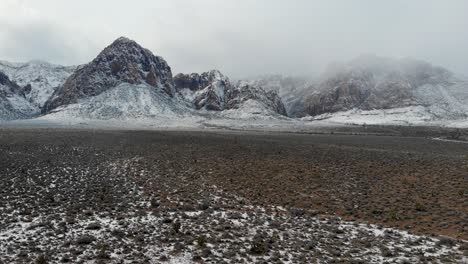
(239, 37)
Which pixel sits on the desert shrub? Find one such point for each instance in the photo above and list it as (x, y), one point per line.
(204, 205)
(102, 249)
(201, 241)
(445, 241)
(419, 206)
(176, 227)
(386, 252)
(154, 203)
(41, 259)
(455, 134)
(393, 215)
(297, 212)
(259, 246)
(85, 240)
(93, 226)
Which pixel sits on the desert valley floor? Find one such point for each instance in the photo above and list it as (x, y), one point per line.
(102, 196)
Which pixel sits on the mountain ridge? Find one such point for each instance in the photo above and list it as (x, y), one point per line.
(367, 83)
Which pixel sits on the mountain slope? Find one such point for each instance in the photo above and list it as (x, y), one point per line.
(288, 88)
(205, 91)
(123, 102)
(124, 61)
(372, 83)
(39, 79)
(214, 91)
(13, 104)
(243, 93)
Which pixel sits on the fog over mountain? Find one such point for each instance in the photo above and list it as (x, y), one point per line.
(240, 38)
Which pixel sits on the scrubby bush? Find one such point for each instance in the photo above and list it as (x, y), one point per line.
(201, 241)
(41, 259)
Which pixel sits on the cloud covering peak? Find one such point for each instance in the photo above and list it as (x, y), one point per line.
(239, 37)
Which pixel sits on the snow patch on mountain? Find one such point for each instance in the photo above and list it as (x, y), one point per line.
(14, 107)
(248, 97)
(124, 102)
(39, 79)
(13, 104)
(411, 115)
(288, 88)
(250, 109)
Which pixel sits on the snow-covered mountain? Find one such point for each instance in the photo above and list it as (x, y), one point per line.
(245, 96)
(13, 103)
(205, 91)
(38, 78)
(127, 82)
(124, 61)
(124, 102)
(289, 88)
(373, 83)
(214, 91)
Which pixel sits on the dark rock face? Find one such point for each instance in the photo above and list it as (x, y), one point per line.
(196, 82)
(4, 79)
(27, 88)
(124, 61)
(214, 91)
(209, 89)
(7, 87)
(380, 85)
(193, 81)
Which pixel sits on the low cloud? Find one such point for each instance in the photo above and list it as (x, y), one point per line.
(239, 37)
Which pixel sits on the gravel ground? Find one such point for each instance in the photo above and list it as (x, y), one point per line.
(77, 196)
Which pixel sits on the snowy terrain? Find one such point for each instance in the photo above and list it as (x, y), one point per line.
(155, 229)
(412, 115)
(13, 104)
(124, 102)
(128, 83)
(133, 106)
(43, 77)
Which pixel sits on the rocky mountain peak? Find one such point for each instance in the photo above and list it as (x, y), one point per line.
(123, 39)
(124, 61)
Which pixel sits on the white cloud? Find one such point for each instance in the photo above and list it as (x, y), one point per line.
(240, 37)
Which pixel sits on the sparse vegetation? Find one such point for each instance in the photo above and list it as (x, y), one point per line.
(419, 206)
(41, 259)
(201, 241)
(248, 201)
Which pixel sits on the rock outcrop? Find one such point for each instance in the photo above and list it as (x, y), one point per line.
(214, 91)
(124, 61)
